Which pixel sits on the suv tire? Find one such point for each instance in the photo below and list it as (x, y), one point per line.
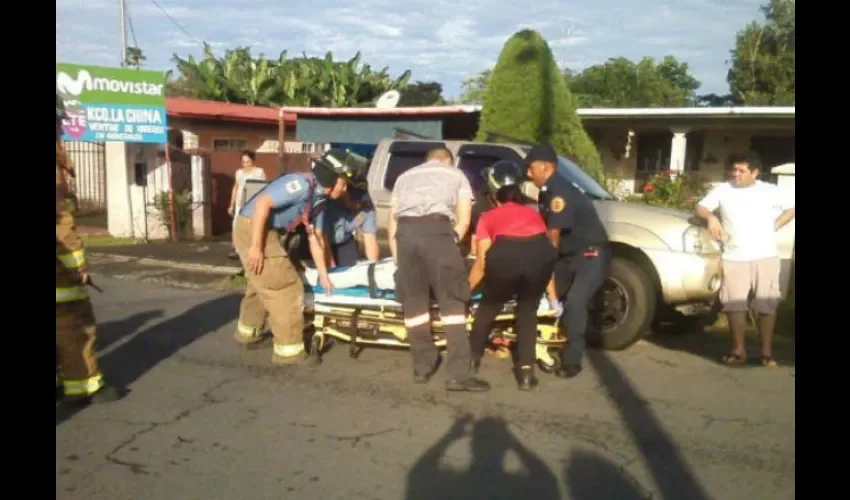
(631, 302)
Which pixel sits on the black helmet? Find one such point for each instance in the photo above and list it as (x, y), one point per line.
(502, 174)
(343, 163)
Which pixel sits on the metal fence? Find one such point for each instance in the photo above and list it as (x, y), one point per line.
(89, 160)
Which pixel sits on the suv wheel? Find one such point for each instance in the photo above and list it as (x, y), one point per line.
(628, 306)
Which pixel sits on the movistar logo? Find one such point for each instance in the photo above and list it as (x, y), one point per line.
(68, 86)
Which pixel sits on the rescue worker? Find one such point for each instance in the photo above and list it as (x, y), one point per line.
(343, 217)
(514, 258)
(584, 255)
(424, 243)
(76, 325)
(274, 287)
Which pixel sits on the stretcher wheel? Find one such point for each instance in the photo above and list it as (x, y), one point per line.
(316, 350)
(549, 367)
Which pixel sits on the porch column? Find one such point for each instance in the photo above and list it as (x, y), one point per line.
(201, 210)
(678, 149)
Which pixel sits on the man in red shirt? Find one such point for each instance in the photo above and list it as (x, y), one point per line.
(514, 258)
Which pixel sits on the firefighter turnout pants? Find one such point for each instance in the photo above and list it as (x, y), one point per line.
(76, 333)
(277, 293)
(429, 258)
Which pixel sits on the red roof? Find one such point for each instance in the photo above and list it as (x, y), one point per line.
(183, 107)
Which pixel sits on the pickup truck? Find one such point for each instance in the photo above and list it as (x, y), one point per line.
(666, 269)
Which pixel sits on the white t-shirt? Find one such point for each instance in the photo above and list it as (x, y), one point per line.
(748, 215)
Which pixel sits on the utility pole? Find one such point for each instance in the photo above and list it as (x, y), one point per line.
(123, 8)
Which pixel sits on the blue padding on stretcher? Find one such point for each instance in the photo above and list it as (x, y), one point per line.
(363, 291)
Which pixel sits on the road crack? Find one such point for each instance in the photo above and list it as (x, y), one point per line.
(355, 440)
(207, 399)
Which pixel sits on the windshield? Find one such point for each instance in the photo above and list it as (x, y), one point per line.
(579, 178)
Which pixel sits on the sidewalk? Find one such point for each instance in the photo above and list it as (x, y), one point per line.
(212, 255)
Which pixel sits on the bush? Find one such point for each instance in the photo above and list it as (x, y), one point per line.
(182, 212)
(681, 191)
(527, 98)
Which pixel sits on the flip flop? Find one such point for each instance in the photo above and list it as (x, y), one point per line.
(734, 359)
(769, 362)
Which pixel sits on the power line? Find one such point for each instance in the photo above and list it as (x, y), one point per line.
(174, 21)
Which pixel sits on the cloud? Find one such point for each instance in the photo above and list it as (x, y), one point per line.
(438, 40)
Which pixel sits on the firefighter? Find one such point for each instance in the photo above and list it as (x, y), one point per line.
(429, 215)
(76, 325)
(274, 287)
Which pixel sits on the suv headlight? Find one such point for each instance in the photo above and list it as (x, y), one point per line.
(697, 240)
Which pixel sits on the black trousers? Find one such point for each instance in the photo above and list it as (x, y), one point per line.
(520, 268)
(579, 281)
(429, 258)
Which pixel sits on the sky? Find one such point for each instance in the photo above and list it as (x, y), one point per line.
(437, 40)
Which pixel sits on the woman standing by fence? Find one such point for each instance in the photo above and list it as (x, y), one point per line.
(248, 171)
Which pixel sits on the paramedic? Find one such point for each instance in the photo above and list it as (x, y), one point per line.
(424, 243)
(76, 326)
(274, 287)
(584, 256)
(514, 258)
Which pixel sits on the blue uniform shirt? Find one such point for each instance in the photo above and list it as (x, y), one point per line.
(289, 194)
(340, 223)
(563, 206)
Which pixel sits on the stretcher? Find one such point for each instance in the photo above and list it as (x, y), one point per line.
(362, 310)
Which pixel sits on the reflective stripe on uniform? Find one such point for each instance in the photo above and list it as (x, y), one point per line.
(73, 260)
(420, 320)
(454, 319)
(71, 294)
(247, 331)
(85, 387)
(289, 350)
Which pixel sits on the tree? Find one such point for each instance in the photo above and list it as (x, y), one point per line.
(135, 57)
(621, 83)
(763, 61)
(239, 77)
(472, 88)
(527, 98)
(422, 94)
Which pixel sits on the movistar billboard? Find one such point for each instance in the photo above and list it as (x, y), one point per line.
(112, 104)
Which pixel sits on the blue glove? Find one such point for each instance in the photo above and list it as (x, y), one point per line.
(556, 306)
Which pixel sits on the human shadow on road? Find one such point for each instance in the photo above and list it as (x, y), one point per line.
(590, 475)
(486, 477)
(129, 361)
(112, 331)
(673, 477)
(714, 344)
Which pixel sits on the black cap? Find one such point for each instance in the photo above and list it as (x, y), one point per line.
(541, 152)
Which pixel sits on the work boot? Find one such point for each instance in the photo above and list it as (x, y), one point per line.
(106, 394)
(471, 384)
(525, 378)
(423, 378)
(256, 342)
(568, 371)
(289, 360)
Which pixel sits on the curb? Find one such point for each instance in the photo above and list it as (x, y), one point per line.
(224, 270)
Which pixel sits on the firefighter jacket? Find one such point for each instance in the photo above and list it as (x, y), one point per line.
(70, 251)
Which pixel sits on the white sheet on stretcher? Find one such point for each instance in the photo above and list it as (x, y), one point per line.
(352, 286)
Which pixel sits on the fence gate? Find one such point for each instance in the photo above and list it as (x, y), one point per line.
(89, 160)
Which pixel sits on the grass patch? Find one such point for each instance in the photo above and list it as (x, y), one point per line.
(233, 282)
(104, 240)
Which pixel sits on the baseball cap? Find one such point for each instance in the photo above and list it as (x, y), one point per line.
(541, 152)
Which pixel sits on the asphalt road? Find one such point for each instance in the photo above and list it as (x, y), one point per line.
(207, 420)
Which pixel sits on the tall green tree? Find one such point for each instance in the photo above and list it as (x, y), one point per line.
(764, 57)
(473, 87)
(621, 83)
(527, 98)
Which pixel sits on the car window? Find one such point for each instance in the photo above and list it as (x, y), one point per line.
(474, 158)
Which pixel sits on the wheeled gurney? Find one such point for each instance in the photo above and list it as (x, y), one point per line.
(363, 310)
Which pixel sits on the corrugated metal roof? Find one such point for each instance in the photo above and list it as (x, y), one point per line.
(183, 107)
(402, 111)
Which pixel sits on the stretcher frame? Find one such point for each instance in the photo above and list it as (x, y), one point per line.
(383, 326)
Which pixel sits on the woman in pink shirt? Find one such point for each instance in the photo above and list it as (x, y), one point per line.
(514, 259)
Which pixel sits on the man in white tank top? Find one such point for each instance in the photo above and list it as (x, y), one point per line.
(752, 212)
